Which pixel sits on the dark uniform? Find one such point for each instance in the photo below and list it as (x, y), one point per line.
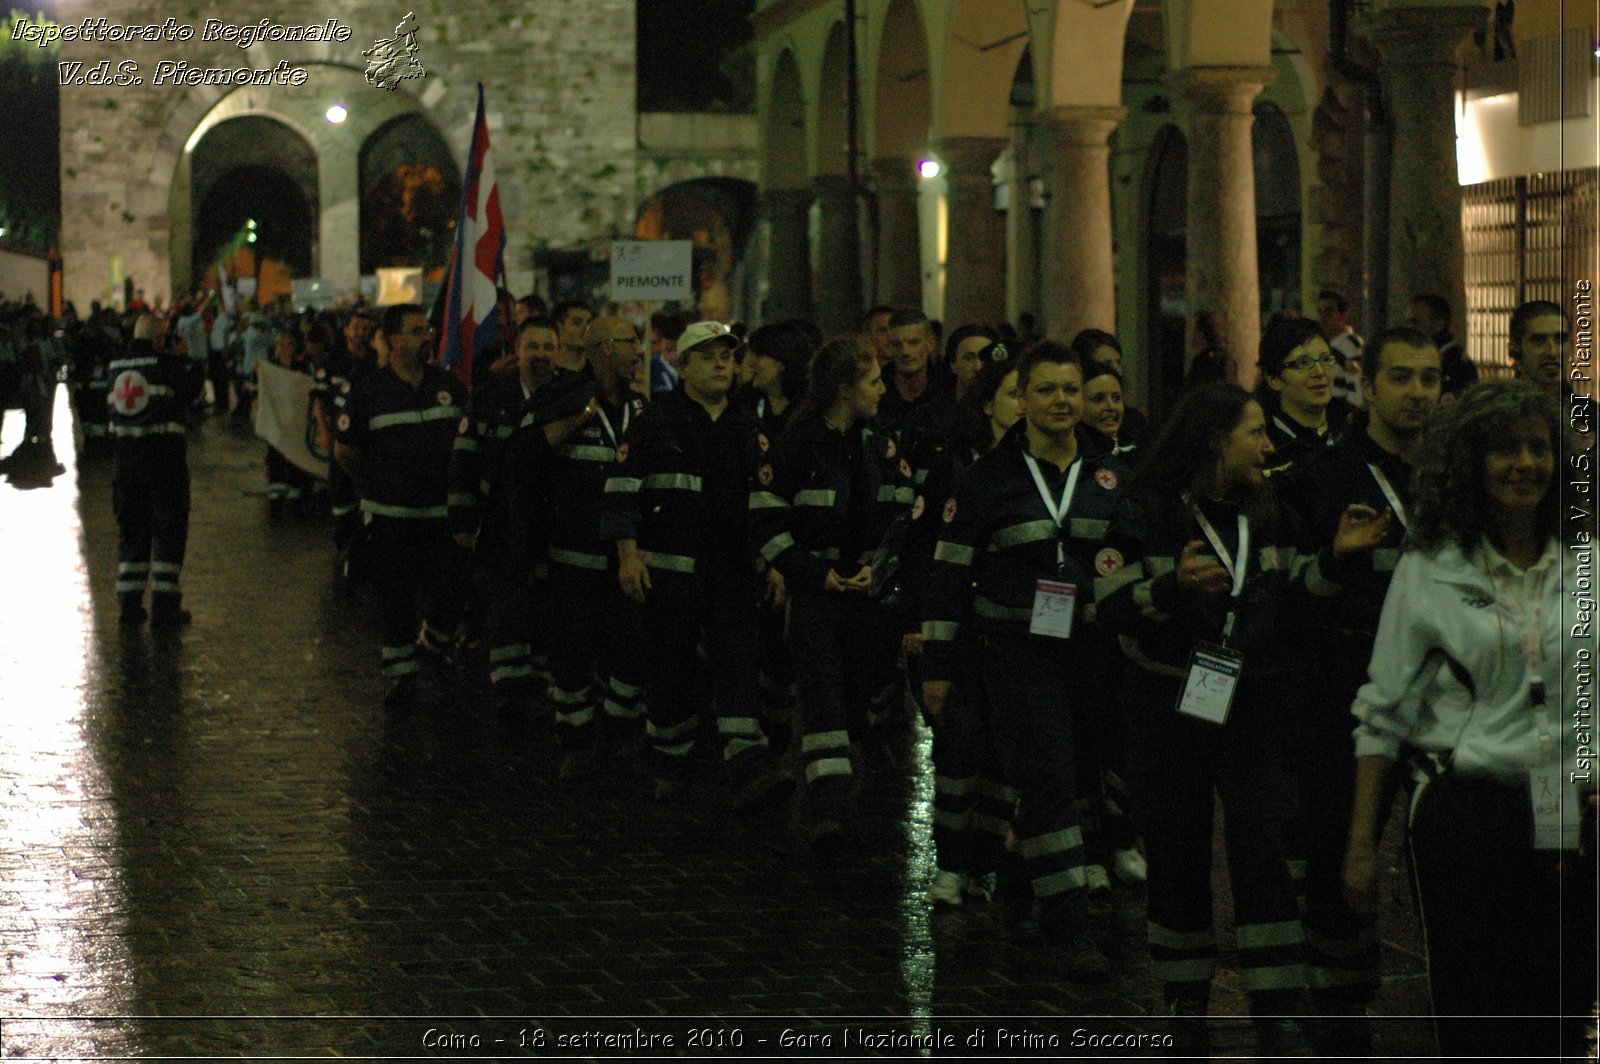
(595, 636)
(478, 503)
(828, 500)
(896, 413)
(405, 436)
(92, 346)
(1342, 945)
(1000, 540)
(1293, 442)
(1182, 763)
(148, 401)
(680, 488)
(334, 379)
(776, 680)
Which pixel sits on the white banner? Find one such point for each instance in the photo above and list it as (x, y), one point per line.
(652, 270)
(283, 416)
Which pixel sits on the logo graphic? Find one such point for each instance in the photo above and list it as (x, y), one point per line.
(766, 475)
(888, 448)
(761, 441)
(905, 469)
(466, 424)
(130, 393)
(949, 511)
(391, 61)
(917, 507)
(344, 422)
(622, 452)
(1108, 561)
(443, 398)
(1105, 478)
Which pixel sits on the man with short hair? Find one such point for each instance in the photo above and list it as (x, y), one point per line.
(333, 380)
(875, 330)
(1429, 313)
(1367, 477)
(676, 505)
(395, 436)
(910, 385)
(1333, 314)
(572, 320)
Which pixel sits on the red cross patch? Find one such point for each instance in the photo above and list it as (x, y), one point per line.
(344, 389)
(761, 441)
(1108, 561)
(949, 511)
(443, 398)
(905, 469)
(888, 447)
(466, 423)
(765, 475)
(918, 507)
(131, 392)
(344, 422)
(622, 452)
(1106, 478)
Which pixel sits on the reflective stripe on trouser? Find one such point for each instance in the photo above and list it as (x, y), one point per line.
(575, 714)
(844, 651)
(596, 633)
(510, 664)
(414, 563)
(971, 809)
(1183, 766)
(399, 660)
(715, 608)
(1030, 697)
(150, 495)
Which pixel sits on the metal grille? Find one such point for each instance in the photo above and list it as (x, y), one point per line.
(1553, 74)
(1525, 238)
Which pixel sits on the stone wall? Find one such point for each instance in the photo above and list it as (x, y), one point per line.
(559, 79)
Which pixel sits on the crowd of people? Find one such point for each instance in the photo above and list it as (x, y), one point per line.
(1267, 600)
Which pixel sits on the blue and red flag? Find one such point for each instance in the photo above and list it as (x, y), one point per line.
(471, 323)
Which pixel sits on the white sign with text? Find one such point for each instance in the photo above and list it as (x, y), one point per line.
(651, 270)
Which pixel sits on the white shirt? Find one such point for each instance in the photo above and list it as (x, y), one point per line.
(1444, 608)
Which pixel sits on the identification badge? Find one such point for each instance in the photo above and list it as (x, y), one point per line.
(1553, 797)
(1213, 676)
(1053, 606)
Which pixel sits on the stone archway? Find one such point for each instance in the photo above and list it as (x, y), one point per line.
(253, 168)
(786, 199)
(718, 215)
(410, 195)
(838, 295)
(909, 251)
(336, 147)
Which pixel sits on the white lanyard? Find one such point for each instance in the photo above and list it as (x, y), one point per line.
(1389, 493)
(1532, 628)
(600, 408)
(1278, 421)
(1058, 514)
(1236, 566)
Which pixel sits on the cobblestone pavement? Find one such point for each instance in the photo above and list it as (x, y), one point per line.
(217, 844)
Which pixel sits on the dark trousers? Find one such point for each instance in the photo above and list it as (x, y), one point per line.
(594, 652)
(1510, 931)
(150, 496)
(1183, 766)
(713, 609)
(1100, 744)
(972, 806)
(1030, 688)
(844, 654)
(417, 569)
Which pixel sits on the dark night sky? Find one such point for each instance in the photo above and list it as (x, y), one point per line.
(682, 44)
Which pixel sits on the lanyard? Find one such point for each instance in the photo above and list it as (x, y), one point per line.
(600, 408)
(1058, 514)
(1532, 629)
(1389, 493)
(1291, 433)
(1237, 567)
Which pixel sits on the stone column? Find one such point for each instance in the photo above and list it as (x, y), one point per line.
(1419, 47)
(1222, 266)
(1022, 239)
(899, 234)
(788, 212)
(838, 256)
(338, 246)
(1079, 287)
(975, 255)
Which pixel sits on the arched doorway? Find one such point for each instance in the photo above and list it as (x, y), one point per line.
(718, 214)
(410, 193)
(1278, 229)
(253, 168)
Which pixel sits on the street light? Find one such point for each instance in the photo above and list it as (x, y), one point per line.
(336, 114)
(929, 169)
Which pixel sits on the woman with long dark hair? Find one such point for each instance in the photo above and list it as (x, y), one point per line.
(827, 501)
(1196, 578)
(1472, 667)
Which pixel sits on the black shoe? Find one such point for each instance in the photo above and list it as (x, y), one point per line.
(826, 839)
(132, 616)
(400, 691)
(1282, 1038)
(1080, 961)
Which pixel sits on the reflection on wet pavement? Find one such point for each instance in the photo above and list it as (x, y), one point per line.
(216, 844)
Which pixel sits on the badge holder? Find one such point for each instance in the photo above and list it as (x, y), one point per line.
(1212, 679)
(1054, 603)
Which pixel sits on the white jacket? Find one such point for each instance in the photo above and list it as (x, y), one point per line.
(1449, 670)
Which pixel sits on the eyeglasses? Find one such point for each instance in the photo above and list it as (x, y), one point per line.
(622, 341)
(421, 330)
(1304, 363)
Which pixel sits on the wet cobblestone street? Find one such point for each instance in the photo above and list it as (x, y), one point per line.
(215, 843)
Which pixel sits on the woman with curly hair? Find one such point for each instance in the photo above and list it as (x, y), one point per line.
(1469, 670)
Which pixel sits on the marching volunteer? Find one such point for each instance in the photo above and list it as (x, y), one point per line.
(396, 433)
(676, 505)
(1022, 537)
(821, 513)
